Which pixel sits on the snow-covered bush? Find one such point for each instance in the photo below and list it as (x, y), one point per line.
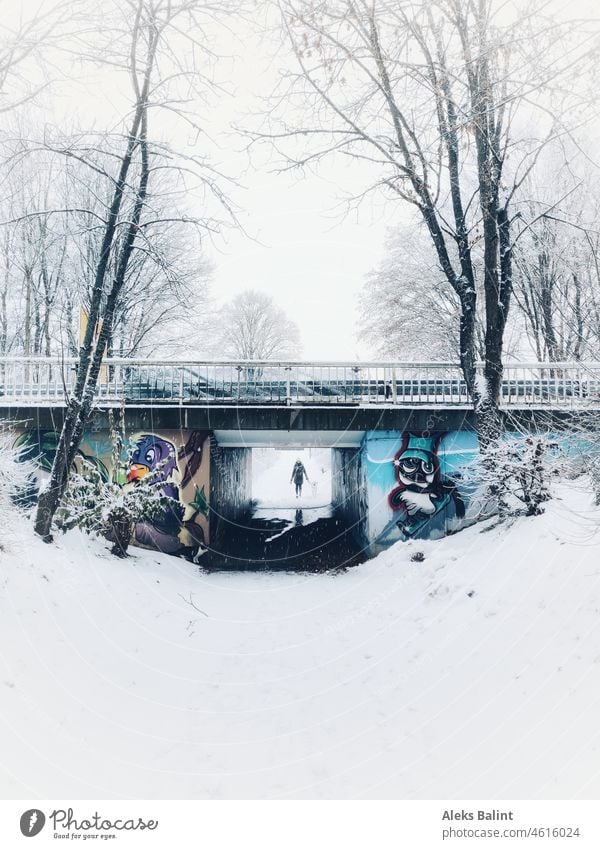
(581, 446)
(593, 469)
(15, 478)
(517, 472)
(109, 509)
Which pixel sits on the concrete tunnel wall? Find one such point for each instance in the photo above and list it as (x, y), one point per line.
(230, 490)
(448, 499)
(349, 494)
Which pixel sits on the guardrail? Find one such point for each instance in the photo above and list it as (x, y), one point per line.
(32, 381)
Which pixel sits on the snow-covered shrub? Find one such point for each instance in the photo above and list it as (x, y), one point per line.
(517, 472)
(581, 445)
(109, 509)
(593, 469)
(15, 478)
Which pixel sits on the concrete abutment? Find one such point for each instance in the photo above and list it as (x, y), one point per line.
(400, 483)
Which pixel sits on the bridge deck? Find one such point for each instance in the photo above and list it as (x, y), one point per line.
(40, 381)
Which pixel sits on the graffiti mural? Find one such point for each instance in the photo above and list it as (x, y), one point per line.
(413, 484)
(422, 489)
(177, 472)
(38, 446)
(178, 461)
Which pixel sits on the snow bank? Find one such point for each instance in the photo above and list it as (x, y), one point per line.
(472, 674)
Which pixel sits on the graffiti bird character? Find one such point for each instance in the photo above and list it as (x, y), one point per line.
(157, 457)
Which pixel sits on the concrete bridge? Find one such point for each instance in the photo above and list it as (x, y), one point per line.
(401, 434)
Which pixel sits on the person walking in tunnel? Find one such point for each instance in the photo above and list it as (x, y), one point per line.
(298, 475)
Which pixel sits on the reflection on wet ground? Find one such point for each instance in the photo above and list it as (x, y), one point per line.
(296, 515)
(284, 518)
(287, 538)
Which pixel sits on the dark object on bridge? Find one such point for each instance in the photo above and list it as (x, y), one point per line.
(418, 557)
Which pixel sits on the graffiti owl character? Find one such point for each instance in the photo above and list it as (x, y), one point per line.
(422, 490)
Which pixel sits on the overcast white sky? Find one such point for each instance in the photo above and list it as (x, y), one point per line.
(299, 242)
(310, 260)
(297, 245)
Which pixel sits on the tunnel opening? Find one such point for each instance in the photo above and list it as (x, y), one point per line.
(274, 491)
(291, 521)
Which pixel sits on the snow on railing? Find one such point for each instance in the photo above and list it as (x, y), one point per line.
(32, 381)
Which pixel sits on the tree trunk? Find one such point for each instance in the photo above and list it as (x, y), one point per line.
(27, 319)
(120, 531)
(80, 405)
(3, 323)
(579, 320)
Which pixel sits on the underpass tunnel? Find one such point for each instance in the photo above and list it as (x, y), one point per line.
(284, 503)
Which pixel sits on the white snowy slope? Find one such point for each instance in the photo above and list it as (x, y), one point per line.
(472, 674)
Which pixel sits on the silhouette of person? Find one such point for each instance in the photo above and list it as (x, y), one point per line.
(298, 476)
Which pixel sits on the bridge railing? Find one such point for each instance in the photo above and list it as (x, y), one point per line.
(38, 381)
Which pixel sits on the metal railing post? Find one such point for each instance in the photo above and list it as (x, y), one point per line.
(288, 386)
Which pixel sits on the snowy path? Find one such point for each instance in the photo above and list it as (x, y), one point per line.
(271, 487)
(475, 673)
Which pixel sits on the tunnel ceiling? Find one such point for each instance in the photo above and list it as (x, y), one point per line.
(289, 439)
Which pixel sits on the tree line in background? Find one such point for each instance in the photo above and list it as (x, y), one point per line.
(50, 243)
(51, 213)
(52, 209)
(555, 313)
(70, 199)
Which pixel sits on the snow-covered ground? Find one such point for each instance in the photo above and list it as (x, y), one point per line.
(474, 673)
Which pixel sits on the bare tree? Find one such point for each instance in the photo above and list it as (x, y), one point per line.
(549, 294)
(556, 273)
(429, 95)
(253, 327)
(26, 33)
(6, 299)
(34, 257)
(166, 282)
(407, 309)
(146, 51)
(48, 263)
